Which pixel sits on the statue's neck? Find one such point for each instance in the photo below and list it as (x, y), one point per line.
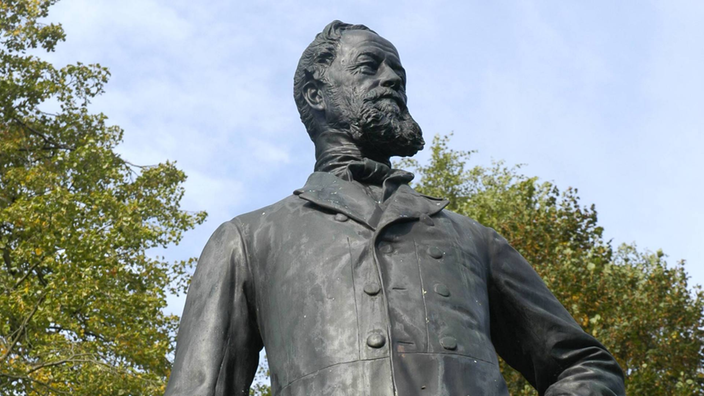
(335, 149)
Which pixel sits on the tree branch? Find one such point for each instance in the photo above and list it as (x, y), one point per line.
(71, 359)
(49, 143)
(30, 379)
(18, 333)
(25, 276)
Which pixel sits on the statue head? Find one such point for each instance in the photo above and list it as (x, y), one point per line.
(350, 80)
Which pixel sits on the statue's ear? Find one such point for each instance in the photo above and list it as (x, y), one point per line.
(313, 94)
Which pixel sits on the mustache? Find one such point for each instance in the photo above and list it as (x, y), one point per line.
(385, 93)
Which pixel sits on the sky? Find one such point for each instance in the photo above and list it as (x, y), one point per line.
(603, 96)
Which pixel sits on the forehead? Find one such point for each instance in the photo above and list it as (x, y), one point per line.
(356, 42)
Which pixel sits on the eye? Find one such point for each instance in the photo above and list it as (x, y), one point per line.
(369, 67)
(367, 64)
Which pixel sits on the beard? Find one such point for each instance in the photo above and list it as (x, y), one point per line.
(379, 123)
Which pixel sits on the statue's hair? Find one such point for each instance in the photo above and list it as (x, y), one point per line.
(313, 64)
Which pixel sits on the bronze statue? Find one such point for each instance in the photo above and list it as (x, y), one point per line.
(359, 285)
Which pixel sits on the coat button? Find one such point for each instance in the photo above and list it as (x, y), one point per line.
(425, 219)
(376, 340)
(341, 217)
(435, 252)
(386, 248)
(372, 289)
(442, 290)
(449, 343)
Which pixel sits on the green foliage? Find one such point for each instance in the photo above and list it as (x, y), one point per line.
(638, 306)
(80, 300)
(261, 387)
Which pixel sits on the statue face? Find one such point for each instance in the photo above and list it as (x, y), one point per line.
(366, 93)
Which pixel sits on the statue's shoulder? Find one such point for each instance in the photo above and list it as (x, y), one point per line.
(463, 221)
(281, 212)
(468, 226)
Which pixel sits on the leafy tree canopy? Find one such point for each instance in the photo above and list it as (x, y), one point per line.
(80, 299)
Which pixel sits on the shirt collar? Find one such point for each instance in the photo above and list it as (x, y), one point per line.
(334, 193)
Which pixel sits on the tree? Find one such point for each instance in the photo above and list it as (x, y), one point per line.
(638, 306)
(80, 298)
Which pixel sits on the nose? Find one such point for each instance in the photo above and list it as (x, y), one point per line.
(390, 79)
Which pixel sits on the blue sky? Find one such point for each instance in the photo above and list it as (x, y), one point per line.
(604, 96)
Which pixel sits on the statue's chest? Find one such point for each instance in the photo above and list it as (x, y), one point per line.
(341, 290)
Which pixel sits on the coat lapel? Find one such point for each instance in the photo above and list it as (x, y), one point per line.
(330, 192)
(408, 204)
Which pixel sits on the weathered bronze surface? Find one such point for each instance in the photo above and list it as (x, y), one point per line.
(359, 285)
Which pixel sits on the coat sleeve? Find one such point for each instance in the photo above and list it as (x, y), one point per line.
(218, 342)
(536, 335)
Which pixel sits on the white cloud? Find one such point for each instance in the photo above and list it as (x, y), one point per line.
(106, 24)
(269, 153)
(216, 194)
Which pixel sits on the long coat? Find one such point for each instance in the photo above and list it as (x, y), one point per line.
(352, 298)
